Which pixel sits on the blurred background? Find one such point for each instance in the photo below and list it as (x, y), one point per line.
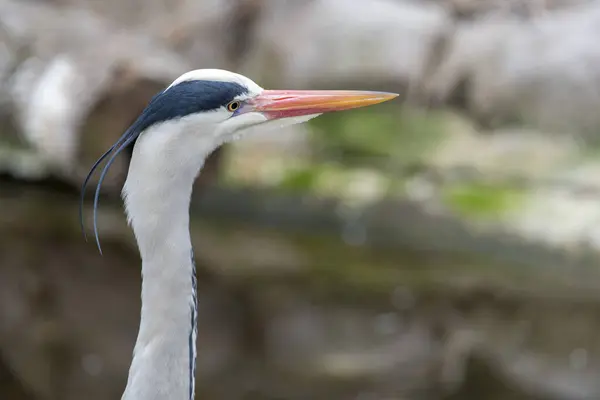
(443, 246)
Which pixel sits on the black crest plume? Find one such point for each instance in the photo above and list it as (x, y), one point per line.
(185, 98)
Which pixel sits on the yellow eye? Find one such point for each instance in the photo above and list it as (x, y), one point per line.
(234, 105)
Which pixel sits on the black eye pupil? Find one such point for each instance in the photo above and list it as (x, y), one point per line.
(234, 105)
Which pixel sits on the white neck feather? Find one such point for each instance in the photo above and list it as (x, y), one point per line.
(165, 162)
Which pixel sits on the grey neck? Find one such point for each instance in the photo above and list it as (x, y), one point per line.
(164, 359)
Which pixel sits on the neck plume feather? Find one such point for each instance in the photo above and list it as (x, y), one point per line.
(157, 196)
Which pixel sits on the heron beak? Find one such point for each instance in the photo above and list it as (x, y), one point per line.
(294, 103)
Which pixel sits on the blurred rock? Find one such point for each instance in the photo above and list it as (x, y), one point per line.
(574, 209)
(60, 81)
(327, 43)
(537, 69)
(207, 33)
(472, 9)
(542, 72)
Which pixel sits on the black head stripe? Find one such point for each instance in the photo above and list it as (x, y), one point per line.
(190, 97)
(185, 98)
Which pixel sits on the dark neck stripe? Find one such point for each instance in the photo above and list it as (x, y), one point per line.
(193, 328)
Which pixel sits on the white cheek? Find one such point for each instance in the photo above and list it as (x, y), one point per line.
(237, 127)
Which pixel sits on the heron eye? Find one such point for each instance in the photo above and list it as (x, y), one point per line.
(234, 105)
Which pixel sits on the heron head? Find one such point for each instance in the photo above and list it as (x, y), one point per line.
(222, 105)
(205, 108)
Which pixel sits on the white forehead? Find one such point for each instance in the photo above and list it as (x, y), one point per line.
(219, 75)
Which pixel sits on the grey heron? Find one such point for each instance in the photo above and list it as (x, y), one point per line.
(178, 129)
